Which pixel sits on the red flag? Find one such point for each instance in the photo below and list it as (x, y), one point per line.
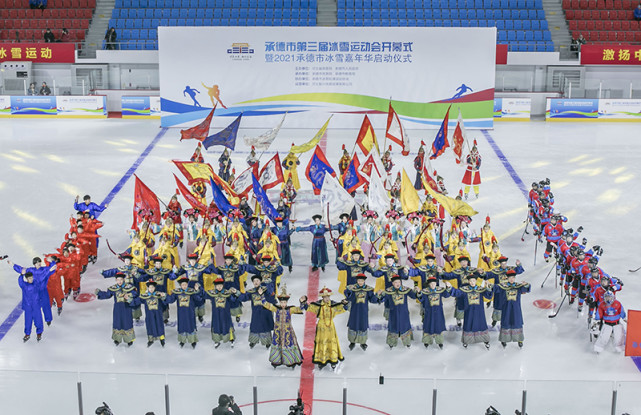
(372, 164)
(145, 204)
(430, 180)
(271, 174)
(459, 137)
(440, 141)
(199, 132)
(633, 338)
(395, 131)
(189, 197)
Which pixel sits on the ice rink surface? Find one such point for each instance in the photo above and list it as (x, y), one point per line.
(594, 170)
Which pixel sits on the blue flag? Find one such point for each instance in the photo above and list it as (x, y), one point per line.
(226, 137)
(440, 141)
(263, 200)
(220, 199)
(351, 178)
(316, 169)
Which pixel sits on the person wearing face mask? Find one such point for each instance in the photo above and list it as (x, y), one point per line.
(125, 300)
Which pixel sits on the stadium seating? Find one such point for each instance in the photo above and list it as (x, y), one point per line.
(603, 21)
(16, 16)
(137, 21)
(520, 23)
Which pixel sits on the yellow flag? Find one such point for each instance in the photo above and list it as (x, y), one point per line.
(409, 196)
(452, 206)
(366, 138)
(311, 143)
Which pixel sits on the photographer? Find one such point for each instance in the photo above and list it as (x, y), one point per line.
(226, 405)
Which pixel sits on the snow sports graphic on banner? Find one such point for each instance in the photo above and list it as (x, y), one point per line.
(312, 72)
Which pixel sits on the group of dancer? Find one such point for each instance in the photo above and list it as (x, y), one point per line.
(577, 269)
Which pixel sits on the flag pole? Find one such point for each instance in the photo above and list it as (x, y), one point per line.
(385, 139)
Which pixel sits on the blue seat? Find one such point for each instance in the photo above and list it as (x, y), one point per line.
(534, 25)
(509, 24)
(180, 22)
(511, 35)
(454, 14)
(526, 25)
(173, 22)
(540, 14)
(547, 35)
(505, 4)
(502, 35)
(518, 25)
(523, 4)
(520, 36)
(164, 22)
(538, 4)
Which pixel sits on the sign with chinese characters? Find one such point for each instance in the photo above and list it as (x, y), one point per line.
(82, 106)
(140, 107)
(311, 72)
(68, 106)
(512, 109)
(593, 110)
(38, 52)
(611, 55)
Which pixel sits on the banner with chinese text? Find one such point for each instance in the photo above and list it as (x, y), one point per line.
(82, 106)
(593, 110)
(512, 109)
(610, 54)
(38, 52)
(311, 72)
(69, 106)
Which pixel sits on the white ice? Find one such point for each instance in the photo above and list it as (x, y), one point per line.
(594, 169)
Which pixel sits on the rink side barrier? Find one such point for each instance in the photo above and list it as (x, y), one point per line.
(512, 109)
(613, 110)
(49, 106)
(140, 107)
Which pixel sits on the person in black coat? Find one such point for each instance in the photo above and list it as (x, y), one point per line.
(110, 39)
(49, 37)
(44, 89)
(226, 405)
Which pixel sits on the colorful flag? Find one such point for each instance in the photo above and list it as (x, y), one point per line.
(366, 139)
(271, 175)
(200, 131)
(263, 200)
(373, 164)
(234, 198)
(409, 196)
(263, 141)
(194, 172)
(429, 180)
(219, 198)
(396, 132)
(313, 142)
(243, 182)
(315, 171)
(352, 180)
(459, 137)
(146, 201)
(377, 197)
(440, 141)
(633, 338)
(189, 197)
(334, 198)
(226, 137)
(452, 206)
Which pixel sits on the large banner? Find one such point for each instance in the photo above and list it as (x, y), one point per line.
(82, 106)
(593, 110)
(140, 107)
(610, 54)
(311, 72)
(38, 52)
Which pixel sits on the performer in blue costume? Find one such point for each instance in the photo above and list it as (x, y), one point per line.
(262, 320)
(187, 299)
(41, 276)
(270, 272)
(230, 273)
(194, 271)
(132, 275)
(474, 323)
(399, 325)
(462, 275)
(498, 275)
(154, 306)
(431, 297)
(354, 267)
(319, 244)
(359, 295)
(509, 296)
(87, 205)
(159, 274)
(30, 305)
(125, 300)
(222, 301)
(284, 238)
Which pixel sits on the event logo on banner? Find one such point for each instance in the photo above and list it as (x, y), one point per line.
(34, 105)
(38, 52)
(629, 109)
(594, 109)
(512, 109)
(5, 105)
(309, 73)
(135, 106)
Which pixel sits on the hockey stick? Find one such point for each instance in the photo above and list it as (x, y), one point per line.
(549, 272)
(525, 232)
(558, 309)
(634, 270)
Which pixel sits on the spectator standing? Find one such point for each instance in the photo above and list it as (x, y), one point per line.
(637, 13)
(110, 39)
(44, 89)
(226, 405)
(64, 35)
(49, 37)
(32, 89)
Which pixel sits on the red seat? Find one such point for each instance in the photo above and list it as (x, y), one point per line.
(584, 4)
(603, 36)
(8, 24)
(59, 24)
(625, 25)
(92, 4)
(42, 24)
(30, 34)
(612, 36)
(616, 25)
(63, 13)
(607, 25)
(600, 5)
(609, 4)
(71, 14)
(637, 37)
(13, 14)
(634, 25)
(589, 25)
(574, 4)
(55, 14)
(84, 24)
(625, 14)
(598, 25)
(83, 4)
(569, 14)
(581, 25)
(604, 15)
(595, 14)
(4, 14)
(629, 37)
(567, 4)
(4, 35)
(573, 24)
(618, 5)
(88, 14)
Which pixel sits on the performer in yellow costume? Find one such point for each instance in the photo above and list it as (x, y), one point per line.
(326, 346)
(290, 164)
(138, 251)
(485, 246)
